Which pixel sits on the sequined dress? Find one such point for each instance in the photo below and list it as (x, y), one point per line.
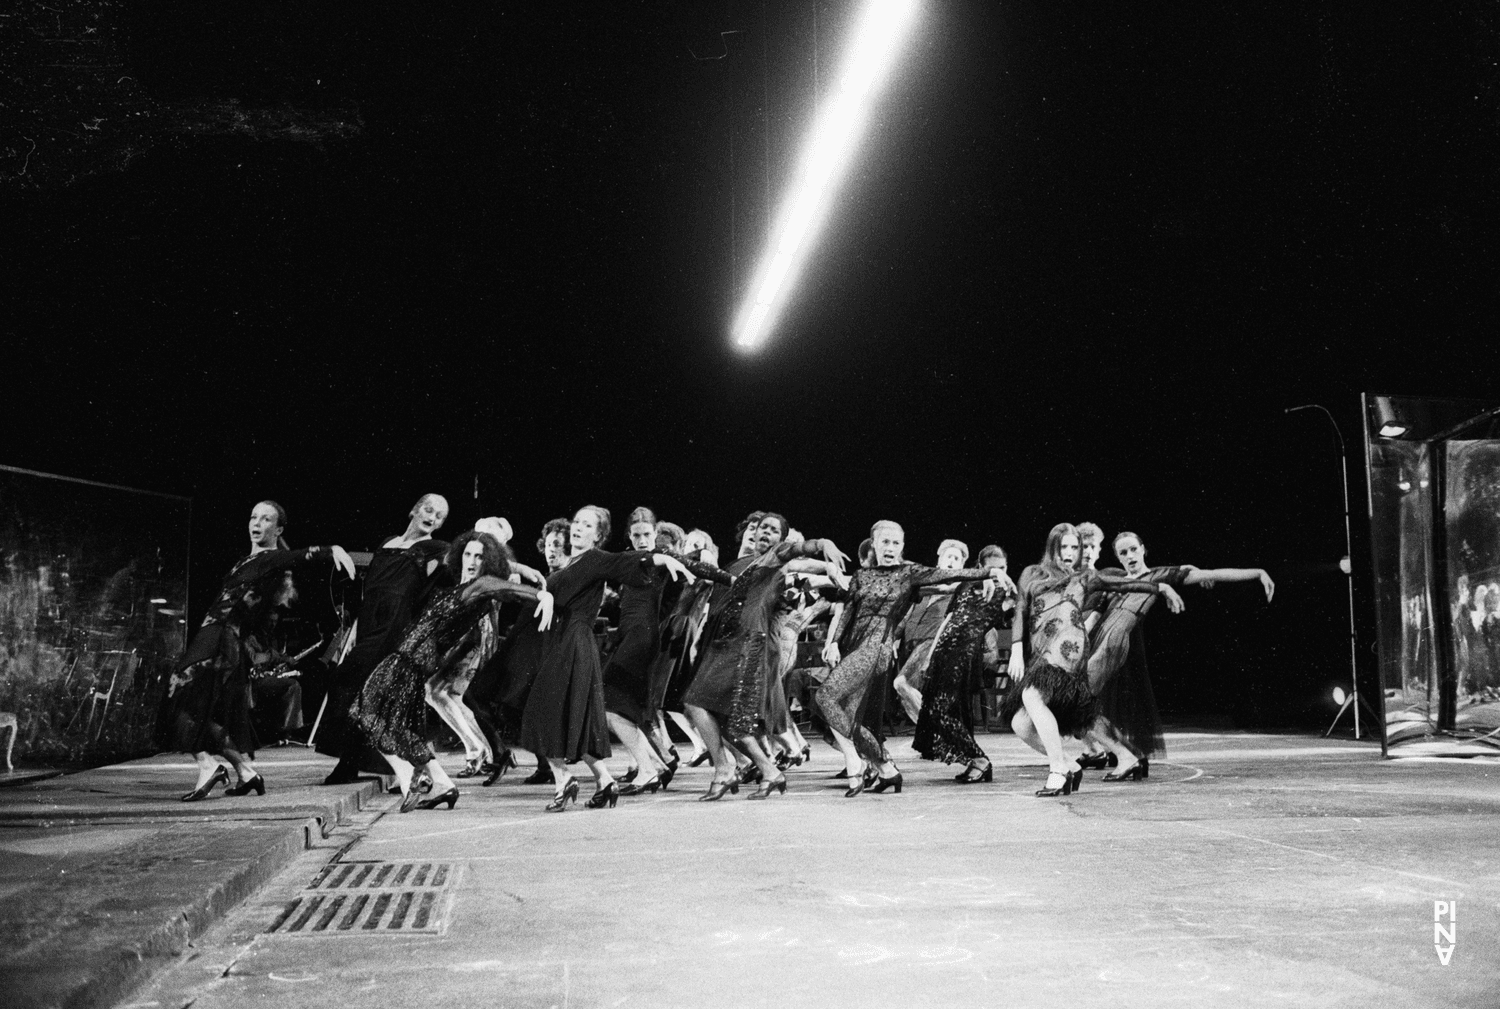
(391, 709)
(945, 727)
(878, 599)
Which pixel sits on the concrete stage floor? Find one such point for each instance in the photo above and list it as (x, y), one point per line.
(1251, 870)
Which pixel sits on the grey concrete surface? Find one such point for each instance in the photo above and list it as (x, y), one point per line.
(106, 876)
(1250, 870)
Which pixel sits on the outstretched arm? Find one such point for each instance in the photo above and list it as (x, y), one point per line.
(1209, 577)
(835, 628)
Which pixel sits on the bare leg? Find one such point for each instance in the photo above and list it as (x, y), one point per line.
(911, 697)
(452, 712)
(560, 775)
(1046, 729)
(708, 731)
(854, 764)
(402, 770)
(635, 741)
(1106, 737)
(207, 765)
(688, 730)
(242, 765)
(1021, 725)
(762, 760)
(601, 773)
(440, 780)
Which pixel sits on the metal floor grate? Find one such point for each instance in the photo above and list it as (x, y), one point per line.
(372, 898)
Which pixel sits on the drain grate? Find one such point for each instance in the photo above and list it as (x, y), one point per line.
(372, 898)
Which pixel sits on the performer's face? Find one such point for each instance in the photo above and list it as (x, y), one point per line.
(1067, 552)
(999, 564)
(473, 560)
(696, 542)
(768, 534)
(1132, 555)
(584, 532)
(889, 541)
(555, 550)
(1090, 553)
(643, 535)
(951, 559)
(430, 514)
(265, 525)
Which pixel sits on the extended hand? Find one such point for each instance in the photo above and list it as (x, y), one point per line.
(528, 573)
(543, 611)
(989, 589)
(834, 555)
(674, 567)
(1017, 668)
(341, 559)
(1174, 601)
(1268, 585)
(831, 653)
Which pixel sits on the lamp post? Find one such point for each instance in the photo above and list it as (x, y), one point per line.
(1347, 567)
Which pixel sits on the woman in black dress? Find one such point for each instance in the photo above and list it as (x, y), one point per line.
(206, 710)
(401, 576)
(564, 719)
(945, 725)
(391, 710)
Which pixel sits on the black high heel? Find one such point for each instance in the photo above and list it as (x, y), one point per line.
(893, 783)
(751, 775)
(783, 760)
(1075, 778)
(699, 759)
(1094, 761)
(219, 777)
(568, 794)
(973, 775)
(860, 784)
(806, 754)
(606, 796)
(497, 770)
(629, 775)
(471, 769)
(410, 799)
(717, 789)
(1065, 788)
(1138, 771)
(671, 771)
(256, 784)
(541, 776)
(776, 784)
(448, 798)
(843, 773)
(650, 785)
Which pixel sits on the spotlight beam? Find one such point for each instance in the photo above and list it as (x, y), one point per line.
(825, 157)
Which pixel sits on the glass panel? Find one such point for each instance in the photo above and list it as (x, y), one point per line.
(1473, 518)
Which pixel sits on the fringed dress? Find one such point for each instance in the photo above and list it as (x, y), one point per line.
(206, 708)
(1049, 623)
(391, 709)
(878, 599)
(1117, 666)
(945, 727)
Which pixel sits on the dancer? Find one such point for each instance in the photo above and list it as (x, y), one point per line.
(945, 730)
(1128, 723)
(391, 710)
(564, 718)
(920, 628)
(859, 648)
(396, 585)
(680, 641)
(627, 676)
(737, 673)
(206, 709)
(1049, 693)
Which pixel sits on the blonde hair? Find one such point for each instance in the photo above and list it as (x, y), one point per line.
(959, 545)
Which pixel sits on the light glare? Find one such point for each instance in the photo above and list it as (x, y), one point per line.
(828, 150)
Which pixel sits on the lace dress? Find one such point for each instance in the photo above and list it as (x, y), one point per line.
(1049, 622)
(878, 599)
(206, 708)
(945, 727)
(391, 709)
(1117, 666)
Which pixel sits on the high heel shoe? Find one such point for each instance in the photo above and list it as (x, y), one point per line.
(972, 775)
(507, 762)
(717, 789)
(629, 776)
(606, 796)
(1064, 786)
(1138, 771)
(256, 784)
(806, 754)
(471, 769)
(783, 760)
(649, 785)
(568, 794)
(843, 773)
(776, 784)
(860, 784)
(410, 799)
(893, 783)
(219, 777)
(1075, 778)
(448, 798)
(751, 775)
(670, 772)
(541, 776)
(1094, 761)
(701, 758)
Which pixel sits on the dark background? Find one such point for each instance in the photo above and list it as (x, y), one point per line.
(339, 256)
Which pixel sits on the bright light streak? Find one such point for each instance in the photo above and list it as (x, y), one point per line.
(829, 147)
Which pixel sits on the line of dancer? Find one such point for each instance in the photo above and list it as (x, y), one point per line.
(506, 654)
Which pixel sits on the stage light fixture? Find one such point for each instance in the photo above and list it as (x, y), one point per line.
(827, 152)
(1338, 695)
(157, 602)
(1385, 415)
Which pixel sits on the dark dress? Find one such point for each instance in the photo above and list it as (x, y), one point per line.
(738, 657)
(564, 716)
(1117, 666)
(391, 709)
(878, 599)
(206, 708)
(1049, 623)
(628, 674)
(396, 586)
(945, 727)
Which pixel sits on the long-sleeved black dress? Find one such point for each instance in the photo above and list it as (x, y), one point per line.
(878, 599)
(206, 708)
(391, 709)
(564, 716)
(945, 727)
(1117, 668)
(395, 588)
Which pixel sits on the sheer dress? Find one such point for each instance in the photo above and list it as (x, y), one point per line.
(945, 727)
